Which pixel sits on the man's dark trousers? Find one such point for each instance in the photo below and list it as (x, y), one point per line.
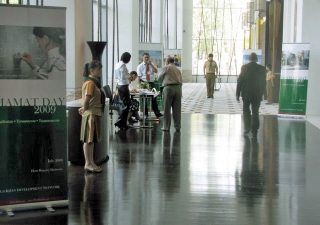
(251, 120)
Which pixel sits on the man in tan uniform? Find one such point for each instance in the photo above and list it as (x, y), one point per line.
(210, 69)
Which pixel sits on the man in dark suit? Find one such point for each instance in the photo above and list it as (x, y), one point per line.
(251, 84)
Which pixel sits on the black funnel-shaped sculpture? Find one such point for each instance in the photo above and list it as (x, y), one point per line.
(97, 48)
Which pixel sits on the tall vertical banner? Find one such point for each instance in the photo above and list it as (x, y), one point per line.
(33, 143)
(294, 79)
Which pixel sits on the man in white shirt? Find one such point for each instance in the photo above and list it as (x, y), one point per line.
(146, 72)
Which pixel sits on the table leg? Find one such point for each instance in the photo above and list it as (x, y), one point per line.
(143, 116)
(152, 119)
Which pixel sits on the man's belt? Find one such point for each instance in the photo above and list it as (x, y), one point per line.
(171, 84)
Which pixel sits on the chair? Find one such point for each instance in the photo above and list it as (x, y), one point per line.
(108, 93)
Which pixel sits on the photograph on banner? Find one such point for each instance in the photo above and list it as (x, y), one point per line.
(155, 57)
(295, 58)
(33, 140)
(32, 52)
(247, 52)
(294, 79)
(174, 53)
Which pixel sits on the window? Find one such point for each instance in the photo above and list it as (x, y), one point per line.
(217, 29)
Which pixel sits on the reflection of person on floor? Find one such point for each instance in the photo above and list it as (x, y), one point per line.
(51, 41)
(210, 69)
(91, 111)
(146, 73)
(251, 85)
(134, 107)
(171, 79)
(252, 174)
(270, 85)
(91, 201)
(122, 75)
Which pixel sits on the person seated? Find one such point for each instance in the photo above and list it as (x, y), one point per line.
(134, 108)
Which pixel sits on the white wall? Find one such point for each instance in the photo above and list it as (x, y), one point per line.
(78, 31)
(179, 23)
(128, 33)
(300, 26)
(310, 33)
(83, 33)
(187, 8)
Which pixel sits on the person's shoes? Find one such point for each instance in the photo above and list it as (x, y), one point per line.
(164, 129)
(268, 103)
(118, 124)
(98, 169)
(131, 121)
(208, 97)
(93, 170)
(159, 115)
(121, 127)
(139, 118)
(126, 127)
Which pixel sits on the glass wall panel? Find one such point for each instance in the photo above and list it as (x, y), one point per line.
(218, 29)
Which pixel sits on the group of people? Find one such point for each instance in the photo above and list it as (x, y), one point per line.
(251, 85)
(145, 73)
(93, 99)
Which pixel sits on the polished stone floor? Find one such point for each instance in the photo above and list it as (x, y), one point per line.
(194, 100)
(206, 174)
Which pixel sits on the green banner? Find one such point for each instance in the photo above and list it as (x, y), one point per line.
(294, 79)
(33, 160)
(293, 95)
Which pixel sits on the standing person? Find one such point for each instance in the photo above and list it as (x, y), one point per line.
(171, 78)
(210, 69)
(91, 111)
(121, 73)
(251, 84)
(270, 85)
(146, 71)
(51, 41)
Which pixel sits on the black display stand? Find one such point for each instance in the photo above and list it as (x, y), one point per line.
(75, 146)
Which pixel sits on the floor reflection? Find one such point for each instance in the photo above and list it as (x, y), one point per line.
(250, 185)
(170, 171)
(91, 201)
(205, 174)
